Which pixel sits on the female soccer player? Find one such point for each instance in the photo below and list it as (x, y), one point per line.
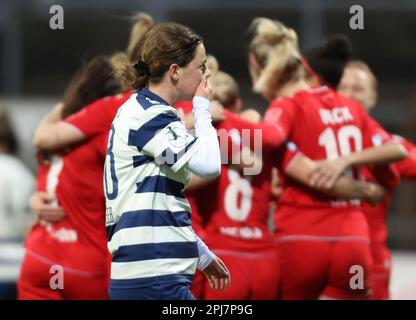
(321, 239)
(150, 158)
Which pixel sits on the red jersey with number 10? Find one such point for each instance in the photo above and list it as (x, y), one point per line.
(324, 125)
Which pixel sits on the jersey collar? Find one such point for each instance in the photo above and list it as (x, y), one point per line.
(152, 96)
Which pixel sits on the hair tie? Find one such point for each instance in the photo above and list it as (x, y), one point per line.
(142, 68)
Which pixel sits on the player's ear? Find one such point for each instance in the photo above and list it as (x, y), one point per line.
(373, 99)
(174, 72)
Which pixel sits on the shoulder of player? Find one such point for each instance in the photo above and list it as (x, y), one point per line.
(113, 100)
(304, 98)
(410, 146)
(147, 105)
(231, 120)
(105, 107)
(283, 101)
(132, 114)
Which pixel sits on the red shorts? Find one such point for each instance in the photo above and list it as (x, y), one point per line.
(198, 285)
(254, 276)
(39, 280)
(337, 269)
(380, 272)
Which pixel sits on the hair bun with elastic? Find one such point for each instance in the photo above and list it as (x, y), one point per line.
(142, 68)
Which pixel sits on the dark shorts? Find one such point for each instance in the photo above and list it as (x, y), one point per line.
(171, 291)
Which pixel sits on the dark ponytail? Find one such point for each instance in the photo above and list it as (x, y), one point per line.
(93, 81)
(328, 60)
(8, 139)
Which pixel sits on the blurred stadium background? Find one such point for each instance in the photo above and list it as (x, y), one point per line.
(36, 63)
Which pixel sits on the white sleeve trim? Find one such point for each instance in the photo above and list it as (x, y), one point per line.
(187, 156)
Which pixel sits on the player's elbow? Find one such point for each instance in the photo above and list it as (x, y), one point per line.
(399, 151)
(403, 152)
(45, 139)
(40, 140)
(209, 171)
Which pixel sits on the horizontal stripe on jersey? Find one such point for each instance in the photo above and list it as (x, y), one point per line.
(140, 137)
(153, 268)
(152, 251)
(149, 281)
(145, 235)
(148, 218)
(141, 159)
(160, 184)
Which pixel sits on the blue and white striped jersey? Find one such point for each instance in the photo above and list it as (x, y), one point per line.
(148, 218)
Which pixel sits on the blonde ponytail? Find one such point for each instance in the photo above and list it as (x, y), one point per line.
(275, 48)
(142, 23)
(125, 73)
(123, 62)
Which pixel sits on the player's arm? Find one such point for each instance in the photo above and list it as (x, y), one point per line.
(279, 119)
(327, 171)
(407, 167)
(379, 149)
(54, 133)
(384, 154)
(217, 114)
(206, 163)
(213, 268)
(169, 143)
(301, 167)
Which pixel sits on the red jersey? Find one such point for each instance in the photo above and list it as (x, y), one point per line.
(388, 177)
(79, 240)
(241, 215)
(324, 125)
(183, 107)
